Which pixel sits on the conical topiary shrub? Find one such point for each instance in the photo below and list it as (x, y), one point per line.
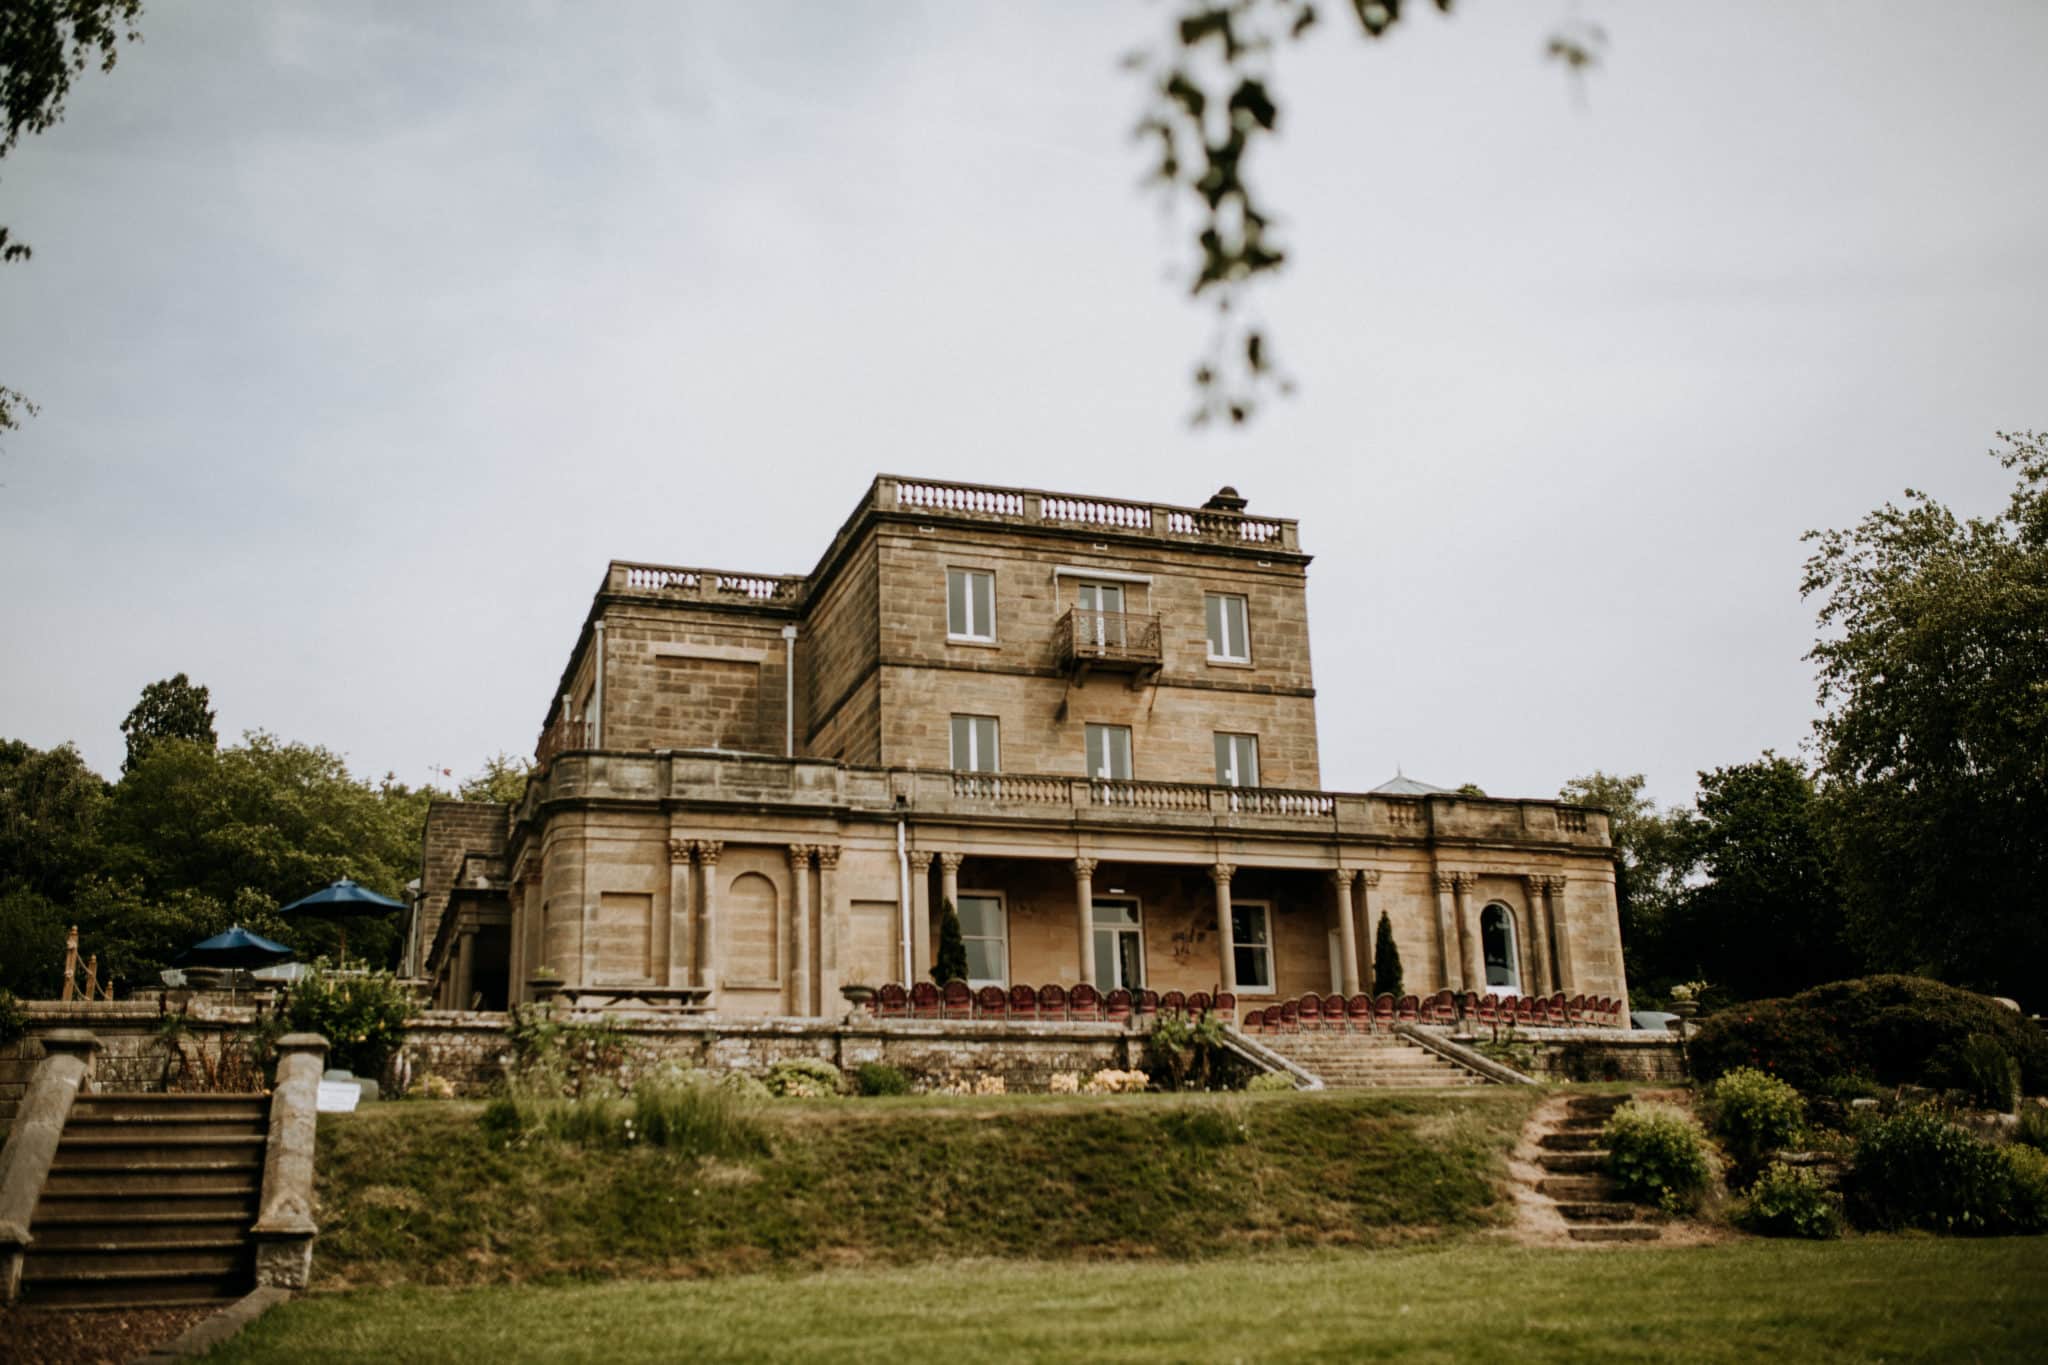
(1386, 960)
(952, 963)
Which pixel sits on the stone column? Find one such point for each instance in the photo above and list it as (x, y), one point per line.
(920, 914)
(949, 879)
(284, 1227)
(1084, 915)
(797, 985)
(1539, 938)
(32, 1143)
(831, 927)
(1560, 934)
(1226, 932)
(1347, 932)
(1368, 938)
(709, 964)
(681, 945)
(465, 968)
(1450, 966)
(1468, 930)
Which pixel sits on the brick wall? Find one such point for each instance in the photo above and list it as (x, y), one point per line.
(454, 828)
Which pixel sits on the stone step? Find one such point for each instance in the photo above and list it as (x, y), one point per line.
(1572, 1142)
(138, 1289)
(1592, 1106)
(219, 1257)
(1577, 1187)
(147, 1105)
(209, 1200)
(153, 1177)
(1597, 1211)
(1572, 1163)
(1614, 1232)
(165, 1128)
(125, 1148)
(136, 1229)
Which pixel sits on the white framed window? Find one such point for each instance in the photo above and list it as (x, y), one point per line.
(1237, 760)
(1251, 932)
(1498, 946)
(975, 744)
(1109, 752)
(1119, 943)
(1230, 640)
(970, 604)
(985, 926)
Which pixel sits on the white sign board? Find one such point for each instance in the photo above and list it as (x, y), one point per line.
(338, 1097)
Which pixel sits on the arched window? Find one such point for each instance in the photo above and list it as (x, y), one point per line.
(1497, 938)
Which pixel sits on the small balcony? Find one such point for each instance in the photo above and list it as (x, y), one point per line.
(1109, 641)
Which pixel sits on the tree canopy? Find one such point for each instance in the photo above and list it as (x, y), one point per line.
(174, 708)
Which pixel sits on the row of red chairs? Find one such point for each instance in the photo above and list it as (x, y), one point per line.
(957, 1000)
(1363, 1013)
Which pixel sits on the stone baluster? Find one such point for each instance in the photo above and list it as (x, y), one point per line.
(1084, 915)
(1347, 932)
(1226, 932)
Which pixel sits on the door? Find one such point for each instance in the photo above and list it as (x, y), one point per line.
(1119, 945)
(1102, 619)
(1497, 941)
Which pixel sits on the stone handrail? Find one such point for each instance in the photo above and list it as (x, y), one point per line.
(32, 1143)
(1469, 1058)
(1264, 1057)
(285, 1228)
(671, 580)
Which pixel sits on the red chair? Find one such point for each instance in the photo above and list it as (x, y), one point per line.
(991, 1002)
(1408, 1009)
(1575, 1009)
(1173, 1002)
(1084, 1002)
(1360, 1010)
(1225, 1006)
(1541, 1009)
(1198, 1004)
(1489, 1010)
(1383, 1009)
(1023, 1002)
(924, 1000)
(1290, 1016)
(1309, 1009)
(1116, 1006)
(1145, 1005)
(1052, 1001)
(1446, 1006)
(1525, 1011)
(891, 1001)
(956, 1000)
(1557, 1008)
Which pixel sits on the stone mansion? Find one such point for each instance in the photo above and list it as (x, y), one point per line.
(1088, 724)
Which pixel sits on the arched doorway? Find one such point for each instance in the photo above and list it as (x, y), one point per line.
(1497, 941)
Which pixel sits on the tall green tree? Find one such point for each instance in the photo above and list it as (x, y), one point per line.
(952, 954)
(1933, 734)
(1767, 918)
(51, 806)
(1653, 857)
(173, 708)
(502, 779)
(1386, 960)
(44, 46)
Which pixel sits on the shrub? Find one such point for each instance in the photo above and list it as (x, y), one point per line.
(13, 1023)
(1918, 1170)
(874, 1078)
(1753, 1115)
(1271, 1080)
(1386, 960)
(1885, 1028)
(1110, 1081)
(1654, 1152)
(1981, 1071)
(803, 1078)
(2033, 1129)
(2027, 1168)
(1788, 1202)
(951, 963)
(362, 1016)
(1191, 1054)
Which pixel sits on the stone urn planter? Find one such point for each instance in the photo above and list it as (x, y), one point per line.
(1685, 1009)
(857, 997)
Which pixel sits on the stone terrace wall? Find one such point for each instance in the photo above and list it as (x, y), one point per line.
(472, 1051)
(1606, 1055)
(133, 1054)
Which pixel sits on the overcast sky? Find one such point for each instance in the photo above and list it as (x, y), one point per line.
(365, 335)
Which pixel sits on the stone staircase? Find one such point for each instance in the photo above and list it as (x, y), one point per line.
(149, 1202)
(1347, 1060)
(1575, 1180)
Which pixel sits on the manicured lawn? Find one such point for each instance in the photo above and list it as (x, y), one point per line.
(1866, 1299)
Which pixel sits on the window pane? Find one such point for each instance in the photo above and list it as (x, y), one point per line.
(1223, 761)
(983, 596)
(984, 744)
(985, 960)
(1253, 969)
(1234, 637)
(1212, 608)
(1105, 956)
(1109, 752)
(956, 602)
(1248, 925)
(1116, 912)
(963, 742)
(1130, 962)
(980, 916)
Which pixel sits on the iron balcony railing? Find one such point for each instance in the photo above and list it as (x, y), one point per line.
(1107, 638)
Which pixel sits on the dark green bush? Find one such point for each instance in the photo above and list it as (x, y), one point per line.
(875, 1078)
(2033, 1129)
(1888, 1029)
(1979, 1070)
(13, 1023)
(1787, 1202)
(1753, 1115)
(1655, 1153)
(1918, 1170)
(362, 1015)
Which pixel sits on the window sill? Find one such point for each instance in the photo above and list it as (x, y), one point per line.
(972, 642)
(1215, 662)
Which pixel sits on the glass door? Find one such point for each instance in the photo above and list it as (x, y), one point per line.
(1119, 945)
(1102, 615)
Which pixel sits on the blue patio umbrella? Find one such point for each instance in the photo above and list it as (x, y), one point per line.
(235, 948)
(343, 900)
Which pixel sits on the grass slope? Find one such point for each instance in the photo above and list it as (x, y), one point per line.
(1867, 1299)
(415, 1193)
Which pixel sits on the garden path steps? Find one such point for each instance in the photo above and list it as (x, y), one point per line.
(149, 1202)
(1563, 1146)
(1347, 1060)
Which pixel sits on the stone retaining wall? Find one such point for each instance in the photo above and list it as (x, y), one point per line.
(133, 1053)
(1605, 1055)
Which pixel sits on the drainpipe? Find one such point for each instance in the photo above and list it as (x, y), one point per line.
(789, 691)
(903, 896)
(597, 693)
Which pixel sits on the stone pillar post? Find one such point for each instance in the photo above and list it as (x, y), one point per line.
(681, 944)
(949, 878)
(1539, 938)
(797, 985)
(1084, 916)
(709, 964)
(1368, 937)
(1347, 932)
(1560, 934)
(284, 1227)
(920, 913)
(1450, 964)
(465, 968)
(831, 927)
(1226, 932)
(32, 1142)
(1468, 931)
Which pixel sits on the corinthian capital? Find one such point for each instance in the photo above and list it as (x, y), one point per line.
(708, 851)
(920, 860)
(828, 856)
(679, 850)
(1222, 873)
(799, 856)
(1085, 867)
(950, 862)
